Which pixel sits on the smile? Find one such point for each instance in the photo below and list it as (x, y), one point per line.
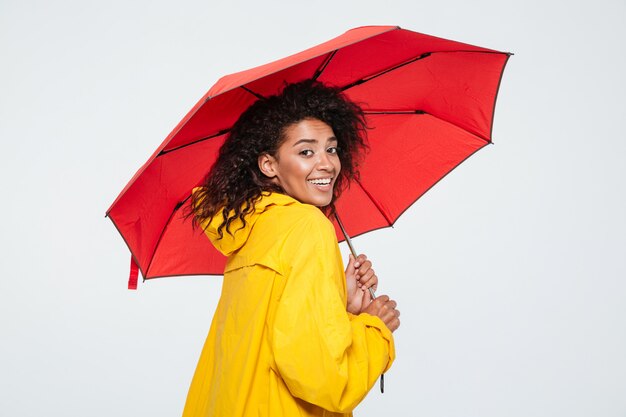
(320, 181)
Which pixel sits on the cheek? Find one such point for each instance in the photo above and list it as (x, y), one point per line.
(302, 167)
(295, 170)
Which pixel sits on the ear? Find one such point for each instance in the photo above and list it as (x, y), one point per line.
(267, 165)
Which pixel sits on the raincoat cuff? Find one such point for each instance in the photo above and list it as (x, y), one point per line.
(373, 321)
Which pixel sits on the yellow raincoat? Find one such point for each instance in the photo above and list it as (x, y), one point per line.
(281, 342)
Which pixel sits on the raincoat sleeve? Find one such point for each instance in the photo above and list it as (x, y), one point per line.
(325, 355)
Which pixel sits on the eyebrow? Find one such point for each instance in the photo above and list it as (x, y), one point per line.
(330, 139)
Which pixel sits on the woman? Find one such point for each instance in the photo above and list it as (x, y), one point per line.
(292, 335)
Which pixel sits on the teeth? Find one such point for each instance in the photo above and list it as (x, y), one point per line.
(321, 181)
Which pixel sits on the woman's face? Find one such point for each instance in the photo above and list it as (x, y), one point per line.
(306, 164)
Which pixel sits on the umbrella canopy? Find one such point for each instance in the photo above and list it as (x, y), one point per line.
(429, 105)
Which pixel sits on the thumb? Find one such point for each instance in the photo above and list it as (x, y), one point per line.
(351, 262)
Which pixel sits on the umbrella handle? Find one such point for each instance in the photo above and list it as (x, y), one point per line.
(349, 242)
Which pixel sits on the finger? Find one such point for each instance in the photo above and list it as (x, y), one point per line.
(387, 316)
(373, 283)
(393, 324)
(376, 306)
(359, 260)
(367, 275)
(387, 312)
(365, 266)
(381, 300)
(368, 279)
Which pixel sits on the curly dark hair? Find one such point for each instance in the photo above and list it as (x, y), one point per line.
(235, 182)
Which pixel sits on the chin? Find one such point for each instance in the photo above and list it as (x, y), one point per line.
(322, 202)
(316, 201)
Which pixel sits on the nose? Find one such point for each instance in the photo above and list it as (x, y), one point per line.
(324, 163)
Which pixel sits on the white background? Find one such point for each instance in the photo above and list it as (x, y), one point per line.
(510, 273)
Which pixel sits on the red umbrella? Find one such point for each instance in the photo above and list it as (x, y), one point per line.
(429, 103)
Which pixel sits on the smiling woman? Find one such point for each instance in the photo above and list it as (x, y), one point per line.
(306, 164)
(236, 180)
(293, 335)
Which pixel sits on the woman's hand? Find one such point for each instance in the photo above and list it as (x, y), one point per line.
(359, 278)
(385, 309)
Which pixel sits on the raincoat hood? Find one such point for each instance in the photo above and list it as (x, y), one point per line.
(232, 241)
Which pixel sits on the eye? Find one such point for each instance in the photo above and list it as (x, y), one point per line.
(306, 152)
(333, 150)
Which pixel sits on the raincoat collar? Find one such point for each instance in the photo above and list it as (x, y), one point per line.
(238, 236)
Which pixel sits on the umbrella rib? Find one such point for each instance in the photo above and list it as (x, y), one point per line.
(394, 112)
(410, 61)
(378, 207)
(322, 67)
(365, 79)
(422, 112)
(220, 133)
(257, 95)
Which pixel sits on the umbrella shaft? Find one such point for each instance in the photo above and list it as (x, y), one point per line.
(349, 242)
